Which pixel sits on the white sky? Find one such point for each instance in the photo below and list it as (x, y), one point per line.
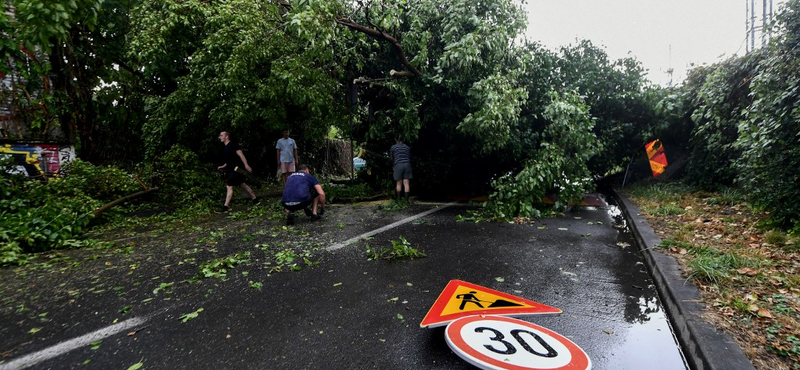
(697, 31)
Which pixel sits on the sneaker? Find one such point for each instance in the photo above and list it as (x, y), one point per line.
(256, 201)
(321, 211)
(223, 209)
(290, 219)
(308, 212)
(315, 217)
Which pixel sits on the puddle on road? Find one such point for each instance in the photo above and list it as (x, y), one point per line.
(643, 309)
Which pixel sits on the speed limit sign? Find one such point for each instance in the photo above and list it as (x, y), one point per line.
(495, 342)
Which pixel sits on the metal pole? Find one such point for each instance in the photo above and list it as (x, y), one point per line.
(764, 23)
(770, 18)
(752, 25)
(747, 26)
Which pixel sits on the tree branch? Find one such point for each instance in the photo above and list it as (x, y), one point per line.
(384, 36)
(107, 206)
(394, 73)
(285, 4)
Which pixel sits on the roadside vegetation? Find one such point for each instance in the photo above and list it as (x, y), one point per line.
(485, 110)
(39, 216)
(747, 270)
(400, 249)
(142, 89)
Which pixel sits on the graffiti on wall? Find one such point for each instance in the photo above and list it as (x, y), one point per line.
(38, 160)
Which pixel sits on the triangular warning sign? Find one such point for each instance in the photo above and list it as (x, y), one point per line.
(460, 299)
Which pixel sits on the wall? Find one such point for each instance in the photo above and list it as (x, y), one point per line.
(38, 159)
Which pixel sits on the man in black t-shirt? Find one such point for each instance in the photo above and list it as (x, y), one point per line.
(234, 162)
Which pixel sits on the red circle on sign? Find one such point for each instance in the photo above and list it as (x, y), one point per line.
(578, 361)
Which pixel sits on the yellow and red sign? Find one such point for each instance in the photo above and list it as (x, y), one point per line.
(460, 299)
(658, 159)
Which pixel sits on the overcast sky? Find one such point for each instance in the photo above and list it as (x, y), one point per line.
(697, 31)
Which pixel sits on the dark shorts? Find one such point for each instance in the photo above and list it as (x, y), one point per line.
(234, 178)
(296, 206)
(402, 171)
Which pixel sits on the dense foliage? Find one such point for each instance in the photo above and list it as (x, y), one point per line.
(769, 138)
(484, 110)
(561, 160)
(722, 105)
(37, 216)
(743, 120)
(231, 65)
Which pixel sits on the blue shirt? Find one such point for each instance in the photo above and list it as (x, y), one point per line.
(299, 188)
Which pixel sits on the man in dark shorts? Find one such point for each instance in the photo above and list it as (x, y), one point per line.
(234, 162)
(401, 156)
(301, 191)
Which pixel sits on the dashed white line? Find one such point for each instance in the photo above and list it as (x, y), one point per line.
(387, 227)
(66, 346)
(69, 345)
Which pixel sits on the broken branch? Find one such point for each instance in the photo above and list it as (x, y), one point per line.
(384, 36)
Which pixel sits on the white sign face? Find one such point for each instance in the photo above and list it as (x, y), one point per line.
(494, 342)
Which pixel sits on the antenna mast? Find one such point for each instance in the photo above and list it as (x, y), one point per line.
(764, 23)
(752, 25)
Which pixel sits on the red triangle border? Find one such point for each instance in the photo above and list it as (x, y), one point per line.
(434, 317)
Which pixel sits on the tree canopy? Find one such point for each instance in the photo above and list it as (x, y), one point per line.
(484, 109)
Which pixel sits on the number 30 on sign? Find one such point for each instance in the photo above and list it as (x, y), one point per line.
(494, 342)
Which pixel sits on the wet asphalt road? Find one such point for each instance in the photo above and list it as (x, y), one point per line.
(352, 313)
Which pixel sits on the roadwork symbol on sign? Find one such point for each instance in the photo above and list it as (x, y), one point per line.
(460, 299)
(494, 342)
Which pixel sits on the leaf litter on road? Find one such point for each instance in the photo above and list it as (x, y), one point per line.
(190, 316)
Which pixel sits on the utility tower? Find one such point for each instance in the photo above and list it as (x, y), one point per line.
(750, 23)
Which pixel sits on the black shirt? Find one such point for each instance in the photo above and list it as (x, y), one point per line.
(231, 158)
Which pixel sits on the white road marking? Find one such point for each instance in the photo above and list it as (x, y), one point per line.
(67, 346)
(64, 347)
(387, 227)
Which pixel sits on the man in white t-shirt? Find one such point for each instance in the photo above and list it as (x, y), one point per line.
(286, 150)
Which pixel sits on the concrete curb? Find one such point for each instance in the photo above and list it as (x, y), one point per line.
(705, 347)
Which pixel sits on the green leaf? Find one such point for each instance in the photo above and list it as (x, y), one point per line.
(190, 316)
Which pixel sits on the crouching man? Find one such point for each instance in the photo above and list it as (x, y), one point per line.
(301, 191)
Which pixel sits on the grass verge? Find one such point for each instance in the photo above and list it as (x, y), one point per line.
(747, 273)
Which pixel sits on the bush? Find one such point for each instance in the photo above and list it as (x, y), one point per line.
(771, 156)
(183, 180)
(559, 165)
(37, 216)
(104, 183)
(347, 192)
(722, 104)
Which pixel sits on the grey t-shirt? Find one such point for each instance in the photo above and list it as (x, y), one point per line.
(287, 147)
